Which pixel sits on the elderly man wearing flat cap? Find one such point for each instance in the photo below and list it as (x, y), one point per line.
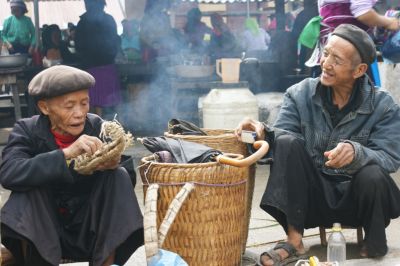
(334, 143)
(54, 212)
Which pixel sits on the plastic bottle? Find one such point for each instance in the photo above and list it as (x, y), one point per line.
(336, 245)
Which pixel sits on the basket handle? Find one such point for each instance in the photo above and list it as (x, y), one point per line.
(150, 221)
(172, 211)
(262, 148)
(154, 241)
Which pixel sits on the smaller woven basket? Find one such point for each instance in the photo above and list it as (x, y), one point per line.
(208, 228)
(226, 141)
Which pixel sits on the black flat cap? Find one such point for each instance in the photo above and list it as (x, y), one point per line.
(59, 80)
(360, 39)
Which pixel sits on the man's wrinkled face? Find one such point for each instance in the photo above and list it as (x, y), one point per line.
(67, 113)
(337, 63)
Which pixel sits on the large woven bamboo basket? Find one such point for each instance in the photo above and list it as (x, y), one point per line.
(208, 228)
(226, 141)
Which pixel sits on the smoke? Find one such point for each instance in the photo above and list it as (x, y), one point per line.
(151, 104)
(149, 107)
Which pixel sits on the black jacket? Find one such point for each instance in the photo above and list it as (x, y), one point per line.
(97, 40)
(32, 159)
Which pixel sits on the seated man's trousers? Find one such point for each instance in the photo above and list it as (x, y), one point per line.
(300, 195)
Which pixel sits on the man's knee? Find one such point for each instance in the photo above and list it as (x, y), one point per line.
(118, 175)
(288, 140)
(289, 145)
(370, 177)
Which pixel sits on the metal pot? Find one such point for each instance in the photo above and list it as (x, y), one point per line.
(262, 73)
(15, 60)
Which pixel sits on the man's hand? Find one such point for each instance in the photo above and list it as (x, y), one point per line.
(251, 125)
(340, 156)
(84, 144)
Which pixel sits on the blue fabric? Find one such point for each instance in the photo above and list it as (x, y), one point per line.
(375, 73)
(166, 258)
(391, 48)
(373, 129)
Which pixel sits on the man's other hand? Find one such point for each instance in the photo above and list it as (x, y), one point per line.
(340, 156)
(84, 144)
(251, 125)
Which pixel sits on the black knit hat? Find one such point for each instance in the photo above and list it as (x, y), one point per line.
(360, 40)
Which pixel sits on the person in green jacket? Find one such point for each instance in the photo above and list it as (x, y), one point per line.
(18, 31)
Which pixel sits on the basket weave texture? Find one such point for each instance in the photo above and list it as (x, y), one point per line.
(208, 228)
(220, 139)
(226, 141)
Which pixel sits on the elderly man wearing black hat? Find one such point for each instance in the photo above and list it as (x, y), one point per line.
(18, 32)
(334, 143)
(53, 211)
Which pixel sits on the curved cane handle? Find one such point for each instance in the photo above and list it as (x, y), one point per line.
(262, 148)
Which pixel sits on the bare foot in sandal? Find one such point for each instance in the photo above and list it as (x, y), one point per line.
(282, 253)
(285, 252)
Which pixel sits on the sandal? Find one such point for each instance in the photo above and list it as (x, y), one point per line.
(276, 258)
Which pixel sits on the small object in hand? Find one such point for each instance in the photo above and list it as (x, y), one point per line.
(115, 140)
(248, 136)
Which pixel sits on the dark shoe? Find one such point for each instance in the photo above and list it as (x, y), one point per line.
(365, 253)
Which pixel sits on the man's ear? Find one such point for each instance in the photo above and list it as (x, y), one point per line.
(360, 70)
(43, 107)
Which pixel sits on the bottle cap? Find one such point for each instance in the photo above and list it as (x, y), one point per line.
(337, 227)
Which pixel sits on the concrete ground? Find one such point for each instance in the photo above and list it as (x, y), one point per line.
(264, 231)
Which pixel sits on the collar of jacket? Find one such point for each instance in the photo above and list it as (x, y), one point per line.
(42, 130)
(367, 94)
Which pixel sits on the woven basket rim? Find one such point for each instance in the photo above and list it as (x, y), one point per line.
(167, 134)
(199, 137)
(150, 159)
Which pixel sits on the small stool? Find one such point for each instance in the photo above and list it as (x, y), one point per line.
(322, 235)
